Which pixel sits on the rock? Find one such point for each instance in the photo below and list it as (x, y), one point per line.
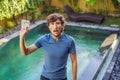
(107, 42)
(114, 25)
(15, 29)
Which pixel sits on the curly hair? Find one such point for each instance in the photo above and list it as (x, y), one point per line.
(53, 17)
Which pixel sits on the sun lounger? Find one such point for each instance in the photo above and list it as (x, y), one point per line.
(86, 17)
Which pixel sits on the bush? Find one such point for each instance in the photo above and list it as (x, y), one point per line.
(116, 3)
(2, 30)
(48, 9)
(9, 24)
(34, 13)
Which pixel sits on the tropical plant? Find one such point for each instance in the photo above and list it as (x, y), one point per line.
(118, 1)
(10, 8)
(105, 11)
(73, 3)
(9, 24)
(48, 9)
(2, 29)
(90, 2)
(34, 13)
(116, 4)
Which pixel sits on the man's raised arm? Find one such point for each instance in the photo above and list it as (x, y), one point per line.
(25, 50)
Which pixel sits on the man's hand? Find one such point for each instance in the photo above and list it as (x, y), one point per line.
(23, 48)
(23, 31)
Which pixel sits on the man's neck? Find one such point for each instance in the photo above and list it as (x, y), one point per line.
(56, 37)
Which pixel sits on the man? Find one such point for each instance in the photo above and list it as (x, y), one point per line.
(57, 46)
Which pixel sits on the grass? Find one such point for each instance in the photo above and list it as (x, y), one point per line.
(107, 22)
(111, 21)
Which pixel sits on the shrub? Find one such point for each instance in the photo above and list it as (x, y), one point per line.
(48, 9)
(2, 29)
(116, 3)
(9, 24)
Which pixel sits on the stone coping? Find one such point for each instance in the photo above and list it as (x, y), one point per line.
(7, 38)
(107, 60)
(95, 26)
(99, 63)
(112, 71)
(15, 34)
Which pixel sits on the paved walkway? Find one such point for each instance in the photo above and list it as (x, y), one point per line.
(115, 75)
(113, 71)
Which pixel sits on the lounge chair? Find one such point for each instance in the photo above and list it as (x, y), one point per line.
(86, 17)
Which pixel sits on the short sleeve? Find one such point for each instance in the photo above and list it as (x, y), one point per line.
(72, 46)
(38, 42)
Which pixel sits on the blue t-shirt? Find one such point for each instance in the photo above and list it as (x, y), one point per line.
(56, 54)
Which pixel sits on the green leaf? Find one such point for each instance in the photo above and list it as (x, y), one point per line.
(8, 8)
(90, 2)
(118, 1)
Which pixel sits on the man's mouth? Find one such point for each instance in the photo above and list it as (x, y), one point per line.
(55, 30)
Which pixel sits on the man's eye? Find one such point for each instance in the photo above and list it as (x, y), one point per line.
(58, 23)
(52, 23)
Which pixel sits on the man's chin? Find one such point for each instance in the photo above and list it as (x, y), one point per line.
(56, 35)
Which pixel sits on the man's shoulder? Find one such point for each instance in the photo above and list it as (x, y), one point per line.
(68, 37)
(44, 37)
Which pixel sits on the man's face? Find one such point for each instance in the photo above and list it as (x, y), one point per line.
(56, 28)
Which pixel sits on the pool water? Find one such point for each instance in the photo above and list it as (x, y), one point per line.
(14, 66)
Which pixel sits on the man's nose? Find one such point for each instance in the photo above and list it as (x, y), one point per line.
(55, 26)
